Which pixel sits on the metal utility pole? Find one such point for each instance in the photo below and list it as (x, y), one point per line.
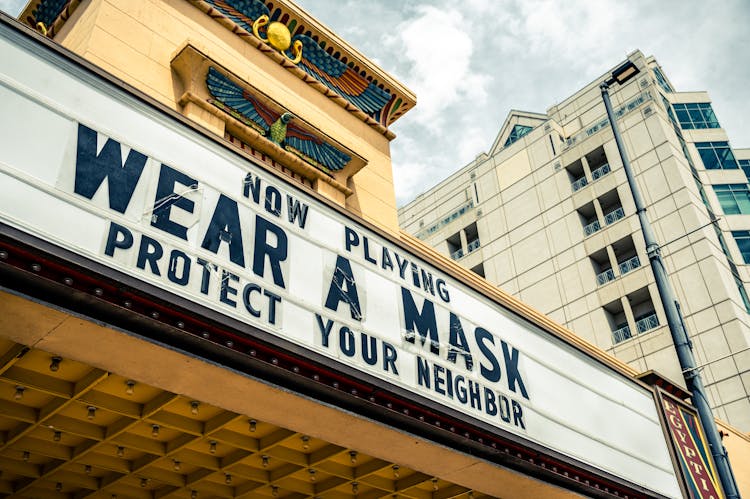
(682, 343)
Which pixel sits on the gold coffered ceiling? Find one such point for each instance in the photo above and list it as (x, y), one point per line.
(71, 430)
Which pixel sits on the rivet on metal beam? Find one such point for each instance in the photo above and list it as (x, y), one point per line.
(55, 363)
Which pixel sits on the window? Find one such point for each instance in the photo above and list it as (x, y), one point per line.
(517, 132)
(697, 115)
(733, 198)
(668, 107)
(742, 237)
(716, 155)
(662, 81)
(745, 165)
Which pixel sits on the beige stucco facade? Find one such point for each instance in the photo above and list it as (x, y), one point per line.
(138, 41)
(550, 218)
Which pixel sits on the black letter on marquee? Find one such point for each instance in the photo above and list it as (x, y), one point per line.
(273, 299)
(114, 241)
(166, 197)
(343, 288)
(273, 201)
(225, 225)
(226, 289)
(352, 239)
(276, 254)
(325, 330)
(424, 321)
(250, 186)
(150, 251)
(92, 169)
(493, 374)
(458, 343)
(511, 367)
(174, 256)
(246, 298)
(297, 211)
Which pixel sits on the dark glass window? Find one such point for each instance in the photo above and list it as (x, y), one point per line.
(733, 198)
(743, 293)
(517, 132)
(716, 155)
(662, 81)
(745, 165)
(742, 238)
(696, 115)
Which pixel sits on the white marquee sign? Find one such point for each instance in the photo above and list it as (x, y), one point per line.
(96, 172)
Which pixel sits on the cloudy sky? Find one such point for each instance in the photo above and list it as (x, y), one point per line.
(471, 62)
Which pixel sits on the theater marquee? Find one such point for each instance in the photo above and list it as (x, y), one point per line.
(96, 172)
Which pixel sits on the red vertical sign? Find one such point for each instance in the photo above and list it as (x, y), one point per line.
(691, 449)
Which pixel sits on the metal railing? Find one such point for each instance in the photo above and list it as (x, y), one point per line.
(621, 334)
(605, 277)
(614, 216)
(591, 228)
(579, 183)
(630, 264)
(647, 323)
(600, 172)
(459, 253)
(474, 245)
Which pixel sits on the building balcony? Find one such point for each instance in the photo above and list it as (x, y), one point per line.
(621, 334)
(647, 323)
(591, 228)
(600, 172)
(471, 247)
(629, 264)
(614, 216)
(605, 277)
(579, 184)
(474, 245)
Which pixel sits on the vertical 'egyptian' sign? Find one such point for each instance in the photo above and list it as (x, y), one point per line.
(691, 449)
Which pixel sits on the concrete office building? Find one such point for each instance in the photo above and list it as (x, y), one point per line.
(547, 215)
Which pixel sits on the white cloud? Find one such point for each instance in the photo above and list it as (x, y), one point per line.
(12, 7)
(439, 50)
